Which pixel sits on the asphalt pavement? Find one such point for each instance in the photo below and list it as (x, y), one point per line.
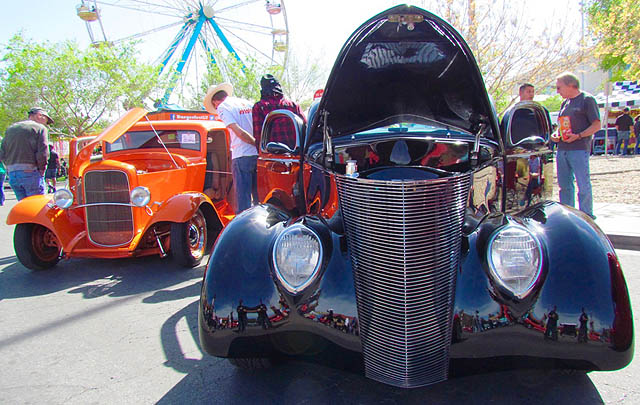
(125, 331)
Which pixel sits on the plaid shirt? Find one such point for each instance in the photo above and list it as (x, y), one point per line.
(282, 130)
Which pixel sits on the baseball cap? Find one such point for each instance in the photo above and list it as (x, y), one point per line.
(40, 110)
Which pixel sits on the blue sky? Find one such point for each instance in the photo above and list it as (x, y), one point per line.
(318, 29)
(321, 26)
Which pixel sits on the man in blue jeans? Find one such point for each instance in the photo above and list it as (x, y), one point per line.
(624, 123)
(24, 152)
(236, 115)
(572, 158)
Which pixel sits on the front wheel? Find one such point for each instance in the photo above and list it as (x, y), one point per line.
(189, 240)
(36, 246)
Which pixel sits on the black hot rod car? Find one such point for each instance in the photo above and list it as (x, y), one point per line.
(406, 231)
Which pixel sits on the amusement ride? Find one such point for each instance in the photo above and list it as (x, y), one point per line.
(204, 32)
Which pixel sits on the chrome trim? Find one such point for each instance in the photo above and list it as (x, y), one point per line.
(266, 126)
(98, 204)
(93, 205)
(281, 160)
(404, 239)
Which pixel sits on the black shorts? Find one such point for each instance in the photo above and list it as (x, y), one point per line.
(50, 174)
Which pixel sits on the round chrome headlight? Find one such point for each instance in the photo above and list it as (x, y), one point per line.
(140, 196)
(63, 198)
(515, 259)
(297, 255)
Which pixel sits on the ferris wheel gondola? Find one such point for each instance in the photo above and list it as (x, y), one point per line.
(204, 32)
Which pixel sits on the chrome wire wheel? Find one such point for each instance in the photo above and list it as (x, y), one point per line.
(189, 240)
(197, 235)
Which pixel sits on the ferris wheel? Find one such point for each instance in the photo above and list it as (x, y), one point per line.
(189, 34)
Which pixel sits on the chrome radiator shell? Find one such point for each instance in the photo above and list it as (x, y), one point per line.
(404, 239)
(108, 224)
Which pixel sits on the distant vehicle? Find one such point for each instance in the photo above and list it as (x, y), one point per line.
(140, 188)
(597, 143)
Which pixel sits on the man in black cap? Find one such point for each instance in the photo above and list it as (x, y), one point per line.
(271, 98)
(24, 152)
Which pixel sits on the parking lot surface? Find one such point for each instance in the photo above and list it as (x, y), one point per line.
(125, 331)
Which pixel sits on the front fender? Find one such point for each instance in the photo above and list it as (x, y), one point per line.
(580, 272)
(180, 207)
(39, 209)
(34, 209)
(244, 312)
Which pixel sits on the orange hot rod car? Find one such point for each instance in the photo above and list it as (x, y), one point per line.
(154, 187)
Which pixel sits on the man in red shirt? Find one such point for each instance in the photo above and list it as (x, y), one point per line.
(271, 98)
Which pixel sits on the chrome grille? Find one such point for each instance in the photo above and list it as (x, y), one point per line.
(404, 238)
(108, 224)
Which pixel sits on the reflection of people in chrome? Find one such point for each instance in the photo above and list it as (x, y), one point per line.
(242, 317)
(263, 318)
(551, 332)
(534, 178)
(582, 331)
(477, 323)
(209, 315)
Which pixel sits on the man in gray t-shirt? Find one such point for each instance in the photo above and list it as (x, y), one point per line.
(574, 148)
(25, 153)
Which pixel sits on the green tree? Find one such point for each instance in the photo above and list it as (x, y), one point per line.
(81, 88)
(616, 26)
(552, 103)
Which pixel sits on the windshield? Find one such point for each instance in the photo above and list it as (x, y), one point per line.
(176, 139)
(409, 127)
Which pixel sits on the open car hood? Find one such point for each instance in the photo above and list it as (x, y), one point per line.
(110, 134)
(405, 62)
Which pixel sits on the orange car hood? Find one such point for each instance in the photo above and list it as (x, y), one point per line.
(110, 134)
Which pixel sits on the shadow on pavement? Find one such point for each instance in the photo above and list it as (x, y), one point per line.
(213, 380)
(94, 277)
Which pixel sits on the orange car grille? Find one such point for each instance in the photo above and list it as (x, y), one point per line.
(404, 239)
(108, 224)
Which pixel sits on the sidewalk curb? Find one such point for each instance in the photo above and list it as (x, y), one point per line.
(625, 242)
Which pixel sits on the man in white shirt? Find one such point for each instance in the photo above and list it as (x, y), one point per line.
(236, 115)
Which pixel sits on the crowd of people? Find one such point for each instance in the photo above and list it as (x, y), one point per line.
(32, 165)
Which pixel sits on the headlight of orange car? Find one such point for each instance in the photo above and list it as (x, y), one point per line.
(515, 259)
(140, 196)
(63, 198)
(297, 255)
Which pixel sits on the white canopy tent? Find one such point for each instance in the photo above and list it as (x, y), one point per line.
(623, 94)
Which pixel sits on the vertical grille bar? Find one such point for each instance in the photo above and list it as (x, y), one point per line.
(404, 238)
(108, 225)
